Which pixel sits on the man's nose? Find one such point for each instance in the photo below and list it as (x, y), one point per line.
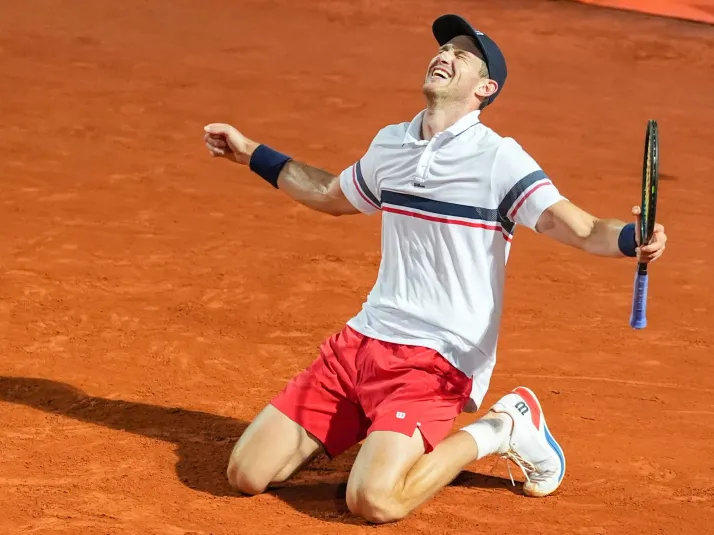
(446, 52)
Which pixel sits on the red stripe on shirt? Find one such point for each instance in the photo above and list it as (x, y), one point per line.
(447, 221)
(354, 180)
(528, 194)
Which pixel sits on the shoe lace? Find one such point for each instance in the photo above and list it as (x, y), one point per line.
(526, 467)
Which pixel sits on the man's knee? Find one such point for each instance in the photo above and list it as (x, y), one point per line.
(376, 504)
(271, 449)
(250, 481)
(244, 479)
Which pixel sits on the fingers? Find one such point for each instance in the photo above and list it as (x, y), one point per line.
(652, 248)
(217, 135)
(648, 258)
(224, 140)
(659, 238)
(215, 151)
(218, 128)
(216, 141)
(655, 249)
(636, 211)
(216, 144)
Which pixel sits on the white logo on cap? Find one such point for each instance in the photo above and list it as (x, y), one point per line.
(478, 32)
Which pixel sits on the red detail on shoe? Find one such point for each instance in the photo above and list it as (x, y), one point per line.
(532, 403)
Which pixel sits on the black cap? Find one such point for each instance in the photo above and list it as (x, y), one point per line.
(446, 27)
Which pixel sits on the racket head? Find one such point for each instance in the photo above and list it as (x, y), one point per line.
(650, 183)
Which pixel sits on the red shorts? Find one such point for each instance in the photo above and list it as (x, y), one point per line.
(358, 385)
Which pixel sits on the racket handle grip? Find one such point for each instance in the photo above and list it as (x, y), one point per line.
(638, 318)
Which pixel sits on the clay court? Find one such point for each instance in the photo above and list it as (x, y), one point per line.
(152, 299)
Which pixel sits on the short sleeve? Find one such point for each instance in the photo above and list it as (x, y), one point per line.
(359, 184)
(524, 190)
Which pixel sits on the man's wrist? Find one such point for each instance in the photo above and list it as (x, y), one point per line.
(626, 241)
(250, 147)
(267, 163)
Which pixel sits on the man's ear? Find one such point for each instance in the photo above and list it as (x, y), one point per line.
(486, 88)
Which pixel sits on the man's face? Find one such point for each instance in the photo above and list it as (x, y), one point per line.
(456, 72)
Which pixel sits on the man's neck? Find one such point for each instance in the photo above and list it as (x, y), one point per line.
(438, 118)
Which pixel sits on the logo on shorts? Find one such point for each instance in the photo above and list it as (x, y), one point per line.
(401, 415)
(522, 408)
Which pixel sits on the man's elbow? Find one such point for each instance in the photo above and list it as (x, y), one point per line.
(335, 202)
(338, 206)
(334, 212)
(579, 234)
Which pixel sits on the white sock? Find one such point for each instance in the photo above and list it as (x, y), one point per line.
(491, 434)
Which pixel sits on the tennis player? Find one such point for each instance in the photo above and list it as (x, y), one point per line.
(423, 347)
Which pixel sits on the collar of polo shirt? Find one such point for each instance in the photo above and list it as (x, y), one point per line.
(413, 134)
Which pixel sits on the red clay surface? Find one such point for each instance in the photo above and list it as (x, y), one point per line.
(695, 10)
(152, 300)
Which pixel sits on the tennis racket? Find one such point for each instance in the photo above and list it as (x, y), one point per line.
(650, 177)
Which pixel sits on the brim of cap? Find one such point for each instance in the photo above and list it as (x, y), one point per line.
(446, 27)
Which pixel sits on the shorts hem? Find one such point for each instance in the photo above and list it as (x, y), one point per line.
(430, 441)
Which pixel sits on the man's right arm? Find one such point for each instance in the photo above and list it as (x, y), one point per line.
(310, 186)
(315, 188)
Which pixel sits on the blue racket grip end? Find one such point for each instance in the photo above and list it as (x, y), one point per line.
(638, 318)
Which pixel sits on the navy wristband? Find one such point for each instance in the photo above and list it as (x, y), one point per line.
(626, 241)
(267, 163)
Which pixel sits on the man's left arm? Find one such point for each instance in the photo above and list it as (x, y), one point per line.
(573, 226)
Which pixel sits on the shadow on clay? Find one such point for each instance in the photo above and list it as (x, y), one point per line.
(204, 442)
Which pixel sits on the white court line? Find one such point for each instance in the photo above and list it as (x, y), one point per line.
(609, 380)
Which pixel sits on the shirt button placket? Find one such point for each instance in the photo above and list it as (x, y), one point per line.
(426, 159)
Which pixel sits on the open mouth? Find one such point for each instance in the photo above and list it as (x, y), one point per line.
(440, 73)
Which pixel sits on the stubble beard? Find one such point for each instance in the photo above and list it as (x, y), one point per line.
(436, 96)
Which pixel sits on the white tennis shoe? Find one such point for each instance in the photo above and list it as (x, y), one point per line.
(530, 445)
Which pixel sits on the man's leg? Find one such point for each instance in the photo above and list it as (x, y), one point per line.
(271, 449)
(317, 411)
(392, 476)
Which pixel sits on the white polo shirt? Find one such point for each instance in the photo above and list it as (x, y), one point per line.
(449, 207)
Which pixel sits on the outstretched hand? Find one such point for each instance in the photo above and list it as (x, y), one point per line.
(222, 140)
(655, 248)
